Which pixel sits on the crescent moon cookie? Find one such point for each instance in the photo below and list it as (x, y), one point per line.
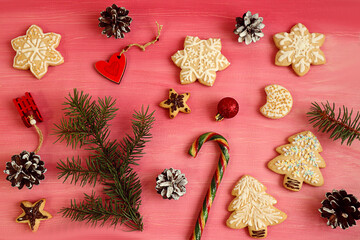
(36, 51)
(278, 102)
(200, 59)
(299, 48)
(252, 207)
(176, 103)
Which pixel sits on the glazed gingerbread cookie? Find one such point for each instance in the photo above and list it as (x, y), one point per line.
(176, 103)
(200, 59)
(36, 51)
(278, 102)
(253, 208)
(33, 214)
(299, 48)
(299, 161)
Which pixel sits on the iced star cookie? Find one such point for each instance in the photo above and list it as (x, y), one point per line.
(33, 214)
(36, 51)
(176, 103)
(200, 59)
(278, 102)
(299, 161)
(299, 48)
(253, 208)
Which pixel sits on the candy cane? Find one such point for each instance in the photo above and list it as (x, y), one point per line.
(215, 181)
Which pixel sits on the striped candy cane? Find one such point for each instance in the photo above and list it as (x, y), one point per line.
(210, 195)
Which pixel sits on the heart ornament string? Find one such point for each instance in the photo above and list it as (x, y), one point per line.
(114, 69)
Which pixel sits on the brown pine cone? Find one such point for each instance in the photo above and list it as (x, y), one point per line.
(25, 169)
(341, 209)
(115, 21)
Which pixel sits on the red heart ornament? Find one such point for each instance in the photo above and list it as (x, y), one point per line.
(114, 69)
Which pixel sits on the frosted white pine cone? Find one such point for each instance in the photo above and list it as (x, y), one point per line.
(171, 183)
(249, 28)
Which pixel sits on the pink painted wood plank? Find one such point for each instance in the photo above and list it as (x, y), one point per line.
(148, 77)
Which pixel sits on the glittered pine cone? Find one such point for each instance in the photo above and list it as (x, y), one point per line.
(340, 209)
(171, 183)
(115, 21)
(249, 28)
(25, 169)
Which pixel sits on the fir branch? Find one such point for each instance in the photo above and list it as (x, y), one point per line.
(94, 210)
(84, 119)
(341, 125)
(86, 123)
(73, 168)
(132, 146)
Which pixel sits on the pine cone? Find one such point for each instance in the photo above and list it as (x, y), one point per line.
(25, 169)
(249, 28)
(115, 21)
(340, 208)
(171, 184)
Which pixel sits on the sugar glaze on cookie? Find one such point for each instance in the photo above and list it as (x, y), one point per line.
(253, 208)
(299, 48)
(200, 59)
(278, 102)
(36, 51)
(299, 161)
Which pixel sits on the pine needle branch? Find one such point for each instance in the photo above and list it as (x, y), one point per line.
(94, 210)
(74, 168)
(84, 119)
(86, 123)
(340, 125)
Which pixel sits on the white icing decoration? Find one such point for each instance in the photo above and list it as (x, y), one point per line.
(284, 38)
(253, 206)
(303, 162)
(278, 103)
(300, 48)
(200, 59)
(36, 50)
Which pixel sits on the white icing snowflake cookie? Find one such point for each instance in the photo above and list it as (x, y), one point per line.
(253, 208)
(300, 161)
(200, 59)
(299, 48)
(36, 51)
(278, 102)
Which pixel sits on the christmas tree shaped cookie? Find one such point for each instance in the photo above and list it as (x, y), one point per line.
(253, 208)
(299, 161)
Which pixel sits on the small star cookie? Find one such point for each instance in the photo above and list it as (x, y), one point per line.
(176, 103)
(200, 59)
(299, 48)
(33, 214)
(278, 102)
(36, 51)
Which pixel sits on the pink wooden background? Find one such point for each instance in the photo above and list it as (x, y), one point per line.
(252, 137)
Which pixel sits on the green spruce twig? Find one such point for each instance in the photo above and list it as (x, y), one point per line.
(340, 125)
(86, 125)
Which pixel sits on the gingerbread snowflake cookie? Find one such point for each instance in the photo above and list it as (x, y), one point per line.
(176, 103)
(200, 59)
(299, 48)
(300, 161)
(36, 51)
(253, 208)
(278, 102)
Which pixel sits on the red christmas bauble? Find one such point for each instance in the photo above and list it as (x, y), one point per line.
(227, 108)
